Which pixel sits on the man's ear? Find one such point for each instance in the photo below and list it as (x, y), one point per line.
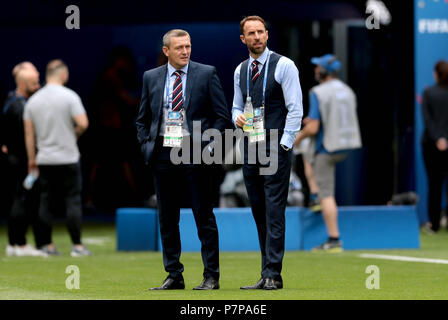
(243, 40)
(165, 50)
(267, 35)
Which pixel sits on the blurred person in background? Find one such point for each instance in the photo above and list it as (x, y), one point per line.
(114, 149)
(333, 122)
(54, 119)
(305, 153)
(435, 141)
(24, 209)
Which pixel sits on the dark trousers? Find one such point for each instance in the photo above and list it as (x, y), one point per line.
(61, 181)
(436, 163)
(268, 196)
(168, 179)
(25, 205)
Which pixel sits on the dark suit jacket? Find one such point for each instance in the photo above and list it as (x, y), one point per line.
(204, 101)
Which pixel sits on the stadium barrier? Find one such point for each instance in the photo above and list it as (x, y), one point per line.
(137, 229)
(362, 227)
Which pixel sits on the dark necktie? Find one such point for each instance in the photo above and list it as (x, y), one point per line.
(178, 100)
(255, 71)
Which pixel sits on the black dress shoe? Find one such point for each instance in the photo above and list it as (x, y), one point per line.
(171, 284)
(269, 284)
(278, 284)
(208, 284)
(260, 285)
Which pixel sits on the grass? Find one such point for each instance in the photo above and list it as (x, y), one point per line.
(113, 275)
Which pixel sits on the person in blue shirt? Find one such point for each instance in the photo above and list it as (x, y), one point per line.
(333, 124)
(272, 81)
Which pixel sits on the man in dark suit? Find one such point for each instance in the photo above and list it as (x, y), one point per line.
(174, 95)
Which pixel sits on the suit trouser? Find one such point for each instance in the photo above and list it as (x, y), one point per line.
(25, 206)
(64, 181)
(436, 163)
(198, 182)
(268, 196)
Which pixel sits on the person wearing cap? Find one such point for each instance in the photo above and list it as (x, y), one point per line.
(333, 124)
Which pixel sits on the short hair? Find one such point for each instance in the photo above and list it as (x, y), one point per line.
(24, 74)
(19, 67)
(174, 33)
(54, 66)
(251, 18)
(441, 69)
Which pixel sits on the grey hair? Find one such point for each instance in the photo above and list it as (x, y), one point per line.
(173, 33)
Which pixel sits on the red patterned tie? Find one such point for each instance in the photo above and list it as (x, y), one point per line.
(178, 100)
(255, 71)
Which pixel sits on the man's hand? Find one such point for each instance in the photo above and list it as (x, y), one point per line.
(4, 149)
(240, 121)
(442, 144)
(310, 128)
(305, 121)
(32, 165)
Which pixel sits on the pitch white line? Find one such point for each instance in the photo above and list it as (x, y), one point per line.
(403, 258)
(100, 241)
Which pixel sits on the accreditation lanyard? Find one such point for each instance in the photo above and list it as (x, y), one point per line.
(173, 120)
(257, 134)
(266, 67)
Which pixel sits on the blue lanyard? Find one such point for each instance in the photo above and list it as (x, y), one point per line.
(11, 101)
(167, 89)
(264, 78)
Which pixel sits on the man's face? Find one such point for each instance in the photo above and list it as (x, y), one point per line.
(33, 84)
(255, 36)
(30, 82)
(179, 51)
(318, 73)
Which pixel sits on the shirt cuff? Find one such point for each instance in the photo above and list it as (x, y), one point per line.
(235, 114)
(288, 139)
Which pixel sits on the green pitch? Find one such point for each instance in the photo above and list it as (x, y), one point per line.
(109, 274)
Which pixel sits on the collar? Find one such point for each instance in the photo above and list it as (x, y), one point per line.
(16, 95)
(171, 69)
(262, 58)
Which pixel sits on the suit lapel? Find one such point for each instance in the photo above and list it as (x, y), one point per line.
(191, 79)
(161, 78)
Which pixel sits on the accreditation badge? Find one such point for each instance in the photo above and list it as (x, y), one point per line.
(173, 130)
(258, 133)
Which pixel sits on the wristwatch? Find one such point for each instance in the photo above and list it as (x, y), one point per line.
(285, 147)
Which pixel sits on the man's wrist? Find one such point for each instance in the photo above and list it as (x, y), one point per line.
(235, 114)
